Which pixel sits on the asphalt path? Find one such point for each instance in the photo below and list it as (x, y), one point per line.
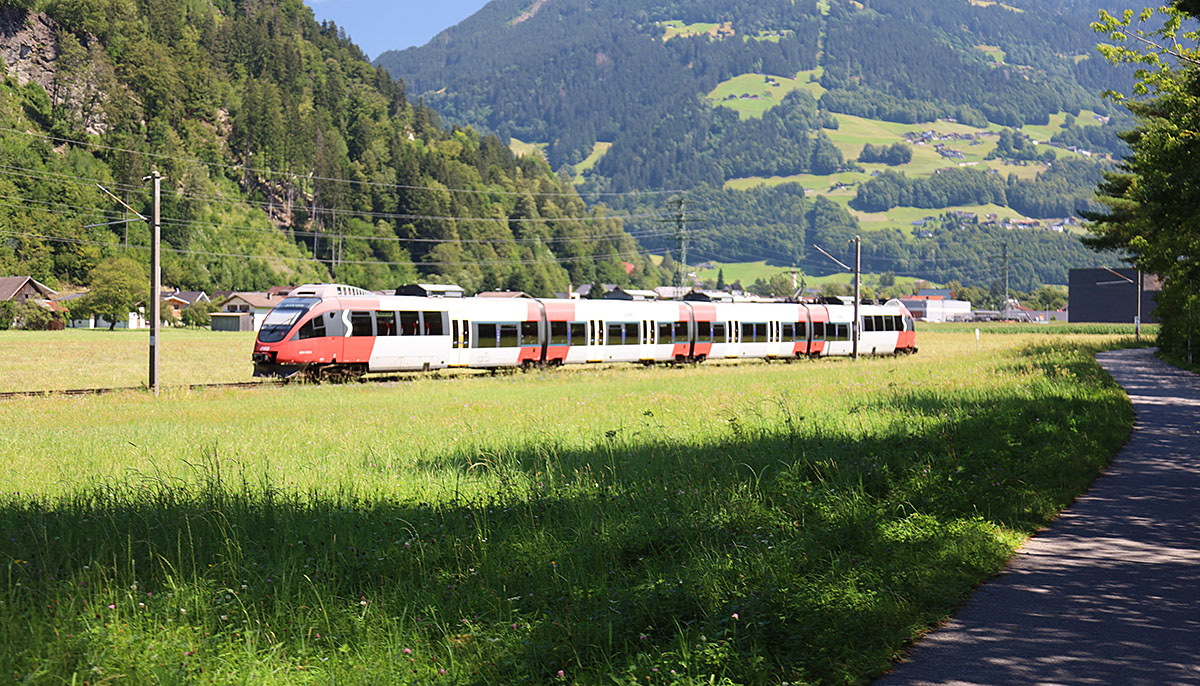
(1109, 593)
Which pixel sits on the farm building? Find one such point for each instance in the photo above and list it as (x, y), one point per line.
(243, 311)
(1100, 295)
(18, 289)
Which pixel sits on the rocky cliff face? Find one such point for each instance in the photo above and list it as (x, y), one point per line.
(29, 46)
(36, 49)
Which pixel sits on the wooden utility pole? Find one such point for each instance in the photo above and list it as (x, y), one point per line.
(681, 237)
(155, 281)
(857, 326)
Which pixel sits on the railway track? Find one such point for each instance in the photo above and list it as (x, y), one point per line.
(118, 389)
(378, 378)
(382, 378)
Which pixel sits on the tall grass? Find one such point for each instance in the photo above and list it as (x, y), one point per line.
(729, 524)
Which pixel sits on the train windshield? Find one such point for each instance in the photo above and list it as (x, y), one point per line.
(280, 320)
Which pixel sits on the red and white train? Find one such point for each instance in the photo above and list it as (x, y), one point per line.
(332, 330)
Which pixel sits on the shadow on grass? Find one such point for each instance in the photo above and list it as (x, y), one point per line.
(778, 550)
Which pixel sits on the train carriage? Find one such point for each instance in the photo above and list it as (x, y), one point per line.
(329, 329)
(632, 331)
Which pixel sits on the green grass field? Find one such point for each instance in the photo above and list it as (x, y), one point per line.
(719, 524)
(522, 149)
(748, 272)
(78, 358)
(598, 151)
(767, 91)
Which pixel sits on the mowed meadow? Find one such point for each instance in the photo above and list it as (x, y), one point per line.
(718, 524)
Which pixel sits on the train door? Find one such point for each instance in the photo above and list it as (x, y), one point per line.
(460, 343)
(360, 339)
(595, 341)
(646, 350)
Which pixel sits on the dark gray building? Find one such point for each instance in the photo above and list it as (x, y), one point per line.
(1100, 295)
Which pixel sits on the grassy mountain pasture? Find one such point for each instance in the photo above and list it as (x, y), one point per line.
(676, 28)
(750, 95)
(748, 272)
(996, 54)
(598, 151)
(747, 523)
(78, 358)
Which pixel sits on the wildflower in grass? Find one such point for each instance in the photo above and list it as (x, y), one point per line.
(112, 606)
(735, 616)
(408, 651)
(561, 674)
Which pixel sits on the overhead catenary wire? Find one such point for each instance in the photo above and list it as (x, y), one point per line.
(416, 263)
(313, 177)
(68, 209)
(84, 181)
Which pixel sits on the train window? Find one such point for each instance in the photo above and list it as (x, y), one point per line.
(486, 337)
(718, 332)
(843, 332)
(435, 324)
(509, 336)
(313, 328)
(664, 332)
(559, 334)
(787, 331)
(529, 334)
(385, 324)
(747, 332)
(633, 333)
(818, 331)
(615, 334)
(410, 323)
(802, 331)
(577, 333)
(704, 331)
(681, 332)
(897, 325)
(361, 324)
(868, 323)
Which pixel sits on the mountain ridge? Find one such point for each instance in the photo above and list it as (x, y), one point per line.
(288, 157)
(1017, 66)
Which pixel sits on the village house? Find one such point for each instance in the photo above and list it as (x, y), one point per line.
(243, 311)
(18, 289)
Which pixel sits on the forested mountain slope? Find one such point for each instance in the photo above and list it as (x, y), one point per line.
(719, 95)
(279, 143)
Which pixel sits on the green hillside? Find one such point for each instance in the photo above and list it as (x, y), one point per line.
(732, 96)
(287, 158)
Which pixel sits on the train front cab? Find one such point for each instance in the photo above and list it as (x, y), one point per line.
(296, 333)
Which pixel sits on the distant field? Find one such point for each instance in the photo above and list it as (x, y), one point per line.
(598, 151)
(994, 52)
(748, 272)
(714, 524)
(77, 358)
(522, 149)
(854, 132)
(677, 29)
(764, 91)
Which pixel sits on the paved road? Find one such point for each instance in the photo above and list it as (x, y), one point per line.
(1110, 593)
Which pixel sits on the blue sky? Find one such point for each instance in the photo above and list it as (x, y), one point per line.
(381, 25)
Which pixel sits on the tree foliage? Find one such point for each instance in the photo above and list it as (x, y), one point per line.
(116, 287)
(287, 158)
(1149, 215)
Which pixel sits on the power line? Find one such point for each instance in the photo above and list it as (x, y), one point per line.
(58, 208)
(375, 184)
(79, 180)
(85, 241)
